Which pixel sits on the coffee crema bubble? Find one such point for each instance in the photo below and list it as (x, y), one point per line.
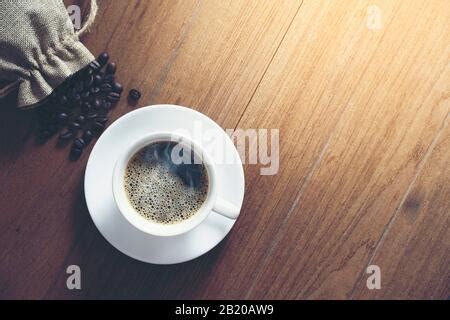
(162, 191)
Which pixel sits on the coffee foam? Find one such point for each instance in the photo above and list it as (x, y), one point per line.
(156, 191)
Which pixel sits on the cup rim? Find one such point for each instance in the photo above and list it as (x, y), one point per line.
(146, 225)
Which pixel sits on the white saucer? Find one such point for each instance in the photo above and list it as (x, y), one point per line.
(110, 222)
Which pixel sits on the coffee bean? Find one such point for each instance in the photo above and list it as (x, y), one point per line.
(113, 96)
(75, 153)
(95, 90)
(71, 93)
(98, 79)
(111, 68)
(78, 143)
(66, 135)
(95, 65)
(62, 117)
(87, 136)
(134, 94)
(86, 106)
(103, 58)
(89, 81)
(81, 118)
(74, 125)
(97, 103)
(107, 105)
(98, 126)
(79, 86)
(85, 95)
(76, 97)
(117, 87)
(88, 71)
(91, 115)
(106, 88)
(102, 119)
(109, 78)
(63, 100)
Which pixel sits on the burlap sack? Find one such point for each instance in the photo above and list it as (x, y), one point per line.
(39, 49)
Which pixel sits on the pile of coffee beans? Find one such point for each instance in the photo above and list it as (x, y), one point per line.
(78, 108)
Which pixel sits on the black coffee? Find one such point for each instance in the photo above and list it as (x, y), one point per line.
(161, 190)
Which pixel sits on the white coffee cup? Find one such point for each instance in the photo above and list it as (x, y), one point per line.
(212, 203)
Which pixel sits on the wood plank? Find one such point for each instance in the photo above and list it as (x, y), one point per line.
(414, 253)
(395, 110)
(304, 92)
(223, 57)
(212, 63)
(44, 200)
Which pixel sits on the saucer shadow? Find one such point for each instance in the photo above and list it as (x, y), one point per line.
(110, 274)
(16, 127)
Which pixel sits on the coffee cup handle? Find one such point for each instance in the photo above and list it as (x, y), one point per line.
(226, 209)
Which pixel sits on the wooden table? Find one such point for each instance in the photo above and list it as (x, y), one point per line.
(360, 93)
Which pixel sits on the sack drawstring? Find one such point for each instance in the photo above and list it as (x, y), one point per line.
(90, 19)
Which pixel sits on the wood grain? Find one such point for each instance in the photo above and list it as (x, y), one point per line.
(362, 113)
(368, 162)
(413, 254)
(304, 93)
